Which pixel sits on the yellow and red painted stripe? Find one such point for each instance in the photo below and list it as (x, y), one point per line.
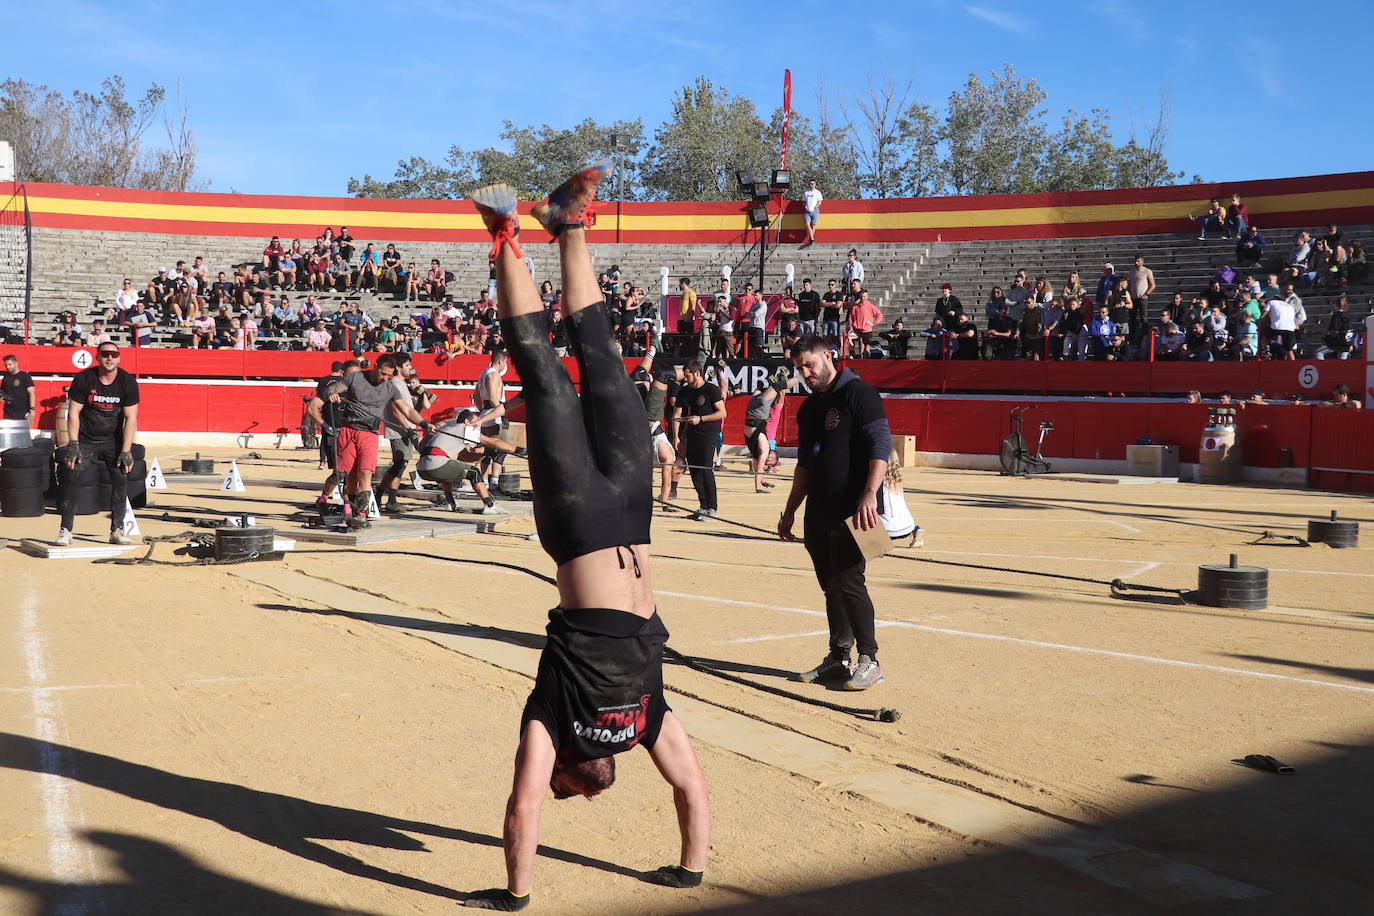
(1342, 198)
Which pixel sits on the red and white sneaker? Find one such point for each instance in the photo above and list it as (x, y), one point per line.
(570, 204)
(496, 204)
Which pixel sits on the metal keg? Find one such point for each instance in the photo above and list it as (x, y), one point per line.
(15, 434)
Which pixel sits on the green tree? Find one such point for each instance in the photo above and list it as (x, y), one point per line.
(994, 135)
(539, 158)
(709, 135)
(822, 152)
(96, 138)
(419, 178)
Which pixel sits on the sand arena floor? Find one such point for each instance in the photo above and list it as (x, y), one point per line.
(333, 732)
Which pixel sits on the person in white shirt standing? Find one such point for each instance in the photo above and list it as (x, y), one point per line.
(811, 202)
(1282, 328)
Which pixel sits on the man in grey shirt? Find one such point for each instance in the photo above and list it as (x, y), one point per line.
(367, 399)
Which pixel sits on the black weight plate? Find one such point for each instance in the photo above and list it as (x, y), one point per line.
(22, 503)
(197, 465)
(24, 458)
(12, 478)
(1334, 533)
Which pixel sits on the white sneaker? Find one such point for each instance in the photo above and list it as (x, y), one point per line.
(64, 538)
(117, 537)
(492, 510)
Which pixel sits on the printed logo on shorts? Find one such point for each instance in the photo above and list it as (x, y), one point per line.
(617, 724)
(832, 418)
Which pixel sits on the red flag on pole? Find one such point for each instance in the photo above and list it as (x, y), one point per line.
(786, 112)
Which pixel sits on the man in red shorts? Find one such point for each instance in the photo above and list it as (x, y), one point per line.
(365, 400)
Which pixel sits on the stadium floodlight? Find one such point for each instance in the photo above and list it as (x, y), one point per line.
(745, 179)
(760, 190)
(758, 217)
(782, 179)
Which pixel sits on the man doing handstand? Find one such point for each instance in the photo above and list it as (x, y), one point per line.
(599, 688)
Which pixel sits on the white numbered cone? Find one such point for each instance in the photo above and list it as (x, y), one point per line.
(233, 481)
(336, 496)
(373, 510)
(130, 527)
(155, 480)
(416, 480)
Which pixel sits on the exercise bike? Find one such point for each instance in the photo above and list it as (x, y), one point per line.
(1017, 460)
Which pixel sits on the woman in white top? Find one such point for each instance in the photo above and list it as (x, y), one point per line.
(892, 510)
(125, 298)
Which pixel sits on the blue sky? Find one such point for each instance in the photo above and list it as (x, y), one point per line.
(296, 97)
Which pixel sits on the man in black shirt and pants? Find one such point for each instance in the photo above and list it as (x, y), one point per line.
(102, 421)
(843, 445)
(702, 409)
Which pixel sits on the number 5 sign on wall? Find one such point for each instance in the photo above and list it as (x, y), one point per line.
(82, 359)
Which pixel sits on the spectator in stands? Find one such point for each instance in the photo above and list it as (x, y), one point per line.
(368, 274)
(187, 302)
(808, 307)
(1317, 264)
(387, 338)
(1051, 326)
(1073, 289)
(1212, 295)
(69, 332)
(1030, 330)
(1074, 328)
(1339, 340)
(343, 242)
(1295, 262)
(318, 337)
(1271, 287)
(862, 318)
(1101, 329)
(1118, 350)
(1245, 340)
(788, 321)
(851, 270)
(1359, 263)
(1237, 217)
(1000, 338)
(995, 301)
(686, 307)
(1193, 397)
(272, 254)
(1214, 218)
(1250, 248)
(832, 305)
(1121, 305)
(965, 334)
(224, 329)
(1044, 293)
(202, 331)
(157, 287)
(1105, 284)
(898, 340)
(948, 306)
(1332, 237)
(140, 324)
(1197, 345)
(437, 283)
(1340, 397)
(98, 334)
(412, 281)
(248, 332)
(282, 317)
(1141, 283)
(317, 267)
(937, 337)
(811, 206)
(340, 274)
(1217, 326)
(1169, 343)
(391, 269)
(1017, 294)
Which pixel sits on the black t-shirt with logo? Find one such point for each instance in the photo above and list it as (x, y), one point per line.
(833, 445)
(831, 310)
(808, 304)
(897, 341)
(15, 389)
(102, 406)
(699, 402)
(599, 688)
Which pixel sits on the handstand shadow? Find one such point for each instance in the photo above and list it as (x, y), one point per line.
(513, 637)
(293, 825)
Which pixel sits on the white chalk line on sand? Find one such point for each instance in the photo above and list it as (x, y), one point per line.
(56, 688)
(69, 859)
(1064, 647)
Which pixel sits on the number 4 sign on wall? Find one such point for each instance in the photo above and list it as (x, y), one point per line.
(82, 359)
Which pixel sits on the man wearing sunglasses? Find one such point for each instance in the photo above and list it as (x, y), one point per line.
(102, 421)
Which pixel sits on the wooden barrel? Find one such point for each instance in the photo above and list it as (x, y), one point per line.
(60, 432)
(1219, 454)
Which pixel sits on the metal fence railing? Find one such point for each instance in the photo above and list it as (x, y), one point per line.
(16, 261)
